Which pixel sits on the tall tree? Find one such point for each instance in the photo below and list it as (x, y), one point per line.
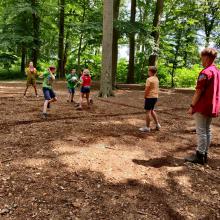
(106, 75)
(115, 43)
(155, 33)
(210, 10)
(130, 76)
(36, 31)
(61, 38)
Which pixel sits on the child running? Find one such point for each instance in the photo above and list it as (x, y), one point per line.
(151, 96)
(85, 88)
(71, 84)
(31, 74)
(49, 95)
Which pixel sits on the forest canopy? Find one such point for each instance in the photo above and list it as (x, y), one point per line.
(69, 33)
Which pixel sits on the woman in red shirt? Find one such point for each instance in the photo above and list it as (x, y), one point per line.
(205, 104)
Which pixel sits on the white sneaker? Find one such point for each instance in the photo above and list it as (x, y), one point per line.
(158, 127)
(144, 129)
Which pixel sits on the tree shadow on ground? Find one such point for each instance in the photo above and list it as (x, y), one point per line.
(160, 162)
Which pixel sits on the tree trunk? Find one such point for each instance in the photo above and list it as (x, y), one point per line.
(106, 75)
(36, 32)
(210, 19)
(130, 76)
(66, 48)
(179, 36)
(115, 43)
(155, 33)
(23, 58)
(80, 42)
(61, 40)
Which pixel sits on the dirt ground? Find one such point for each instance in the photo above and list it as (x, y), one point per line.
(95, 164)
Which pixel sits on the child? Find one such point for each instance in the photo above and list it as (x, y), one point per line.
(151, 96)
(85, 88)
(31, 74)
(71, 84)
(49, 95)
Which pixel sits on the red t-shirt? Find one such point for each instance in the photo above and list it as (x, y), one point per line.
(209, 101)
(86, 80)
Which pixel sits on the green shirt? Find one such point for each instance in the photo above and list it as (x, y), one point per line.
(70, 83)
(47, 80)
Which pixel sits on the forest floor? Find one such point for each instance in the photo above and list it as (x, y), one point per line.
(95, 164)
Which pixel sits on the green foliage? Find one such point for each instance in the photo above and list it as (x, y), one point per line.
(6, 60)
(186, 77)
(164, 76)
(122, 70)
(182, 34)
(15, 73)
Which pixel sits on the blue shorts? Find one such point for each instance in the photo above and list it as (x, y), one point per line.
(71, 90)
(150, 103)
(48, 93)
(85, 89)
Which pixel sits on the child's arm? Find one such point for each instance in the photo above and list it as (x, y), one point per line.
(52, 75)
(147, 89)
(26, 71)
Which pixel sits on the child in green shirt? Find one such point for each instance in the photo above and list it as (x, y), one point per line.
(49, 94)
(71, 79)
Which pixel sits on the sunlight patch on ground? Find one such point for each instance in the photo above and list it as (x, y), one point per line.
(115, 161)
(33, 162)
(135, 121)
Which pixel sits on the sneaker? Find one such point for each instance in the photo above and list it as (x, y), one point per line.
(44, 115)
(158, 127)
(144, 129)
(79, 108)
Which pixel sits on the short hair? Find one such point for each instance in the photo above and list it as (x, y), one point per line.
(209, 52)
(153, 69)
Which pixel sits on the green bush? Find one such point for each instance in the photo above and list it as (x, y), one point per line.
(122, 70)
(11, 75)
(186, 78)
(164, 76)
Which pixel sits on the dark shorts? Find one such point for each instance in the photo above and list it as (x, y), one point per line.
(85, 89)
(71, 90)
(48, 94)
(150, 103)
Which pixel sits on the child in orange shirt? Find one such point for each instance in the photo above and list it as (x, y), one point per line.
(151, 97)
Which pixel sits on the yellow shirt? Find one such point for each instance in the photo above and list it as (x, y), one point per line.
(31, 74)
(152, 86)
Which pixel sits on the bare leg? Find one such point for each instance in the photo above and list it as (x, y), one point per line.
(87, 98)
(148, 118)
(72, 95)
(81, 100)
(35, 89)
(46, 102)
(69, 97)
(154, 116)
(25, 91)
